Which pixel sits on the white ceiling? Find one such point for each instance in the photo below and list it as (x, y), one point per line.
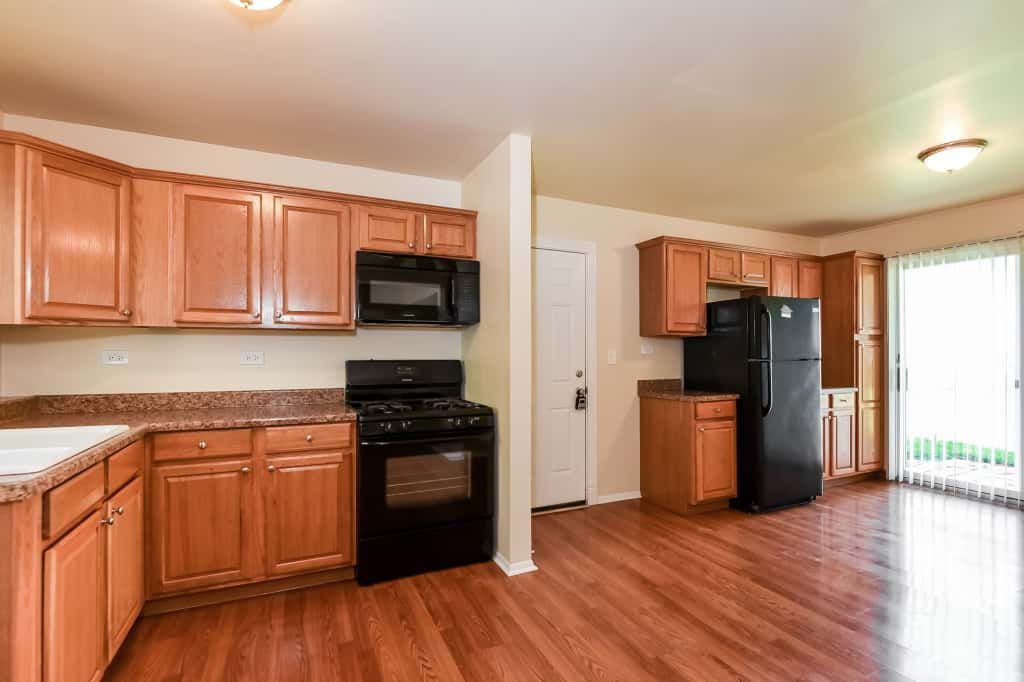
(795, 115)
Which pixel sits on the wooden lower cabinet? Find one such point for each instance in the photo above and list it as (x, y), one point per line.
(839, 435)
(687, 462)
(286, 506)
(126, 589)
(201, 522)
(714, 461)
(310, 511)
(74, 604)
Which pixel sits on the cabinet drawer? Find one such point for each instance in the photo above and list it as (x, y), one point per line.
(63, 505)
(842, 400)
(310, 437)
(125, 465)
(198, 444)
(716, 410)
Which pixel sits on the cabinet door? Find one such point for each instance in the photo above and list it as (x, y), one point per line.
(724, 265)
(453, 236)
(714, 461)
(870, 441)
(202, 525)
(809, 275)
(843, 443)
(78, 223)
(310, 511)
(125, 586)
(826, 445)
(312, 262)
(388, 229)
(784, 277)
(754, 268)
(686, 288)
(215, 261)
(74, 604)
(870, 296)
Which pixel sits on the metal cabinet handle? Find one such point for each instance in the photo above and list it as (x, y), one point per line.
(109, 521)
(412, 245)
(700, 428)
(120, 511)
(246, 470)
(257, 314)
(309, 437)
(127, 312)
(202, 445)
(271, 468)
(278, 315)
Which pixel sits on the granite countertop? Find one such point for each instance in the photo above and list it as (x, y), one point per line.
(156, 412)
(843, 389)
(672, 389)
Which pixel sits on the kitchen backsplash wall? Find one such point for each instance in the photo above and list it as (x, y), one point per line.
(52, 360)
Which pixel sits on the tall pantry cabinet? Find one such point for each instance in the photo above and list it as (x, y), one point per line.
(853, 345)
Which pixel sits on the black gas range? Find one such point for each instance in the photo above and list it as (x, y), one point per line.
(426, 468)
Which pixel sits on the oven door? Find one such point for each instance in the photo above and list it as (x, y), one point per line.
(400, 295)
(416, 482)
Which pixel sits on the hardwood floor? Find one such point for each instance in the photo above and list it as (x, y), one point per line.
(875, 581)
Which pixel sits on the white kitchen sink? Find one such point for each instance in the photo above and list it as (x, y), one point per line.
(26, 451)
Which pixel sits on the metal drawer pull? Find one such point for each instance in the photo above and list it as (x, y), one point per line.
(309, 438)
(202, 445)
(107, 522)
(127, 312)
(246, 470)
(120, 511)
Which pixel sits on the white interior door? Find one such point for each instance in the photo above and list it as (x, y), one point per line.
(560, 352)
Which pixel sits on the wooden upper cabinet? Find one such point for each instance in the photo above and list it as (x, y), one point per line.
(686, 293)
(723, 265)
(389, 229)
(215, 255)
(310, 513)
(126, 590)
(312, 262)
(74, 605)
(451, 236)
(870, 296)
(714, 461)
(78, 222)
(784, 277)
(809, 278)
(202, 521)
(755, 268)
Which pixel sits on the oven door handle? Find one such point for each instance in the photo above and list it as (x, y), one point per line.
(461, 435)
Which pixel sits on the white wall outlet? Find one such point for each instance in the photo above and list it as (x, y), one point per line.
(646, 349)
(114, 357)
(251, 357)
(613, 356)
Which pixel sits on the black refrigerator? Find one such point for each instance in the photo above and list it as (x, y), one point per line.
(768, 350)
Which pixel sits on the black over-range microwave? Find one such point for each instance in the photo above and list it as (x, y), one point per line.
(400, 289)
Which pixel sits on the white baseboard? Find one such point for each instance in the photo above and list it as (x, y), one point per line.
(518, 568)
(618, 497)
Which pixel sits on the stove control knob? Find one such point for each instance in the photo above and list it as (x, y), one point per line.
(388, 426)
(406, 425)
(474, 420)
(451, 421)
(458, 421)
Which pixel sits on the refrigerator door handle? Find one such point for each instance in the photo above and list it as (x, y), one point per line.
(766, 409)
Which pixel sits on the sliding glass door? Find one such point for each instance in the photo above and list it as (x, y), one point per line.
(955, 330)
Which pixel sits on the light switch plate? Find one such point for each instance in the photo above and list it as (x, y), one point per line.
(251, 358)
(114, 357)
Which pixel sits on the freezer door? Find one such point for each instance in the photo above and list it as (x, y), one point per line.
(788, 469)
(785, 328)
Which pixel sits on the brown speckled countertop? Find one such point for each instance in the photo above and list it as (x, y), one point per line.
(154, 412)
(844, 389)
(672, 389)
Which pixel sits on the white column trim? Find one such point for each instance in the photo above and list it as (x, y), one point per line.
(518, 568)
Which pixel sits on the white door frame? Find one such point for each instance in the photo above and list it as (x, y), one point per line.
(589, 249)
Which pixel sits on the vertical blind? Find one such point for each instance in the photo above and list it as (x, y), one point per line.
(955, 356)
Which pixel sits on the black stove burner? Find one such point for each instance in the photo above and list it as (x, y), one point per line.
(446, 404)
(387, 408)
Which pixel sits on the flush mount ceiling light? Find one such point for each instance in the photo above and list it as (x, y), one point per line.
(257, 5)
(951, 156)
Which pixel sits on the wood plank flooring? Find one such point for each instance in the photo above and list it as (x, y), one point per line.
(874, 581)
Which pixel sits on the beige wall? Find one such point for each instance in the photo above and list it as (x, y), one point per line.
(47, 360)
(615, 231)
(498, 351)
(66, 360)
(986, 220)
